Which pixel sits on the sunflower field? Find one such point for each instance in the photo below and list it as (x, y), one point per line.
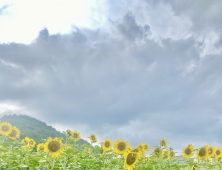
(59, 153)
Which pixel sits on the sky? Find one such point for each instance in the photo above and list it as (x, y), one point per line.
(137, 70)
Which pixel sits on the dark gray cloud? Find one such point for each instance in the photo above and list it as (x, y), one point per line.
(131, 30)
(118, 84)
(205, 15)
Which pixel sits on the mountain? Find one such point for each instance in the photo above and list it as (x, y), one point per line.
(35, 129)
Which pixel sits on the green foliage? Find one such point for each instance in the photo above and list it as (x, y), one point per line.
(35, 129)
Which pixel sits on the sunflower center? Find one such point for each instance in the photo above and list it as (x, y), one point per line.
(210, 151)
(13, 133)
(163, 143)
(202, 152)
(54, 146)
(218, 152)
(157, 150)
(136, 150)
(107, 144)
(188, 151)
(131, 158)
(5, 128)
(75, 135)
(31, 142)
(93, 137)
(122, 146)
(145, 147)
(26, 142)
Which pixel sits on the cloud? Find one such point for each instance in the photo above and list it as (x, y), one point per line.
(129, 28)
(121, 82)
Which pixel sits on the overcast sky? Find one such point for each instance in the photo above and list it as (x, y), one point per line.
(138, 70)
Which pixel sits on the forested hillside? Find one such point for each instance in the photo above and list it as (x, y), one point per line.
(34, 128)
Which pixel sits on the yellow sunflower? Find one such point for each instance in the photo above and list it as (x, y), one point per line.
(32, 143)
(54, 147)
(69, 132)
(130, 160)
(93, 138)
(107, 145)
(166, 154)
(146, 147)
(121, 147)
(137, 151)
(87, 149)
(41, 147)
(5, 128)
(157, 152)
(69, 147)
(147, 158)
(25, 141)
(75, 136)
(202, 153)
(163, 143)
(190, 146)
(172, 154)
(188, 151)
(194, 167)
(218, 152)
(211, 150)
(141, 147)
(15, 133)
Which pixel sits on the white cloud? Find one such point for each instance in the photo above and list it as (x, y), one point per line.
(26, 18)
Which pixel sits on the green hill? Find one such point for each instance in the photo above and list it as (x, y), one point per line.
(34, 128)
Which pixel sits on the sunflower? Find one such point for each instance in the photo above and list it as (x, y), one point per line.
(69, 147)
(41, 147)
(157, 152)
(190, 146)
(15, 133)
(188, 151)
(202, 153)
(166, 154)
(69, 132)
(146, 147)
(25, 141)
(211, 150)
(75, 136)
(172, 154)
(121, 147)
(32, 143)
(107, 145)
(93, 138)
(147, 158)
(140, 146)
(194, 167)
(54, 146)
(163, 143)
(138, 151)
(5, 128)
(87, 149)
(218, 152)
(130, 160)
